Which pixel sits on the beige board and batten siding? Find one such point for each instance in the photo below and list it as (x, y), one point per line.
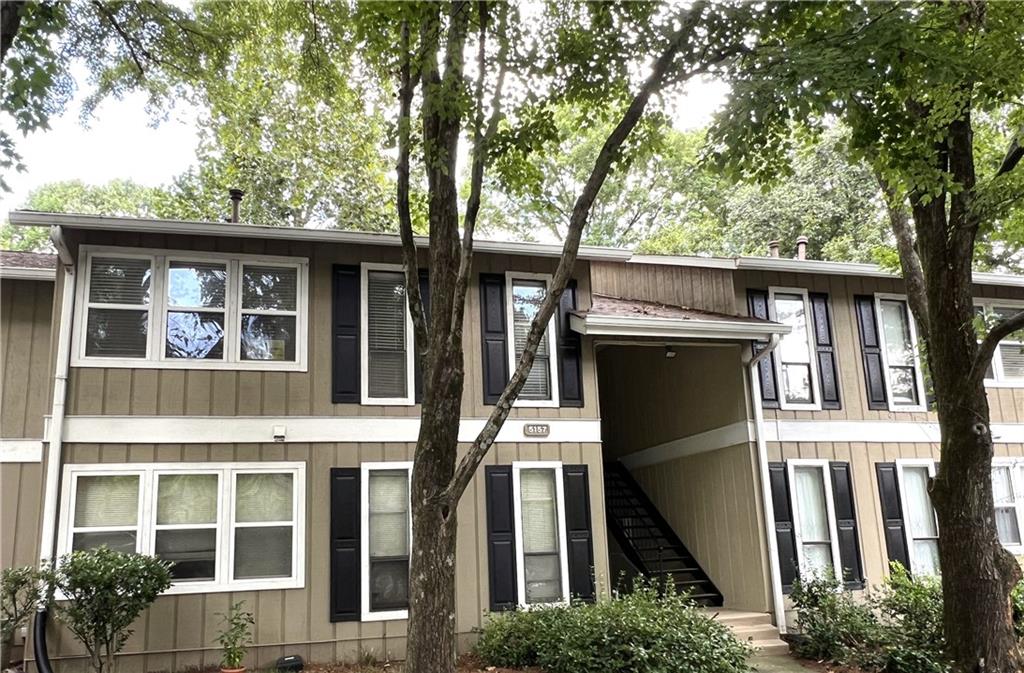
(25, 318)
(1006, 405)
(198, 392)
(710, 499)
(178, 632)
(707, 289)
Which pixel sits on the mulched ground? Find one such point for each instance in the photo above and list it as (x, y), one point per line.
(467, 664)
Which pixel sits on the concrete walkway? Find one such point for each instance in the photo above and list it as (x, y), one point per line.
(779, 663)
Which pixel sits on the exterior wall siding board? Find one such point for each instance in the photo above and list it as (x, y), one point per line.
(708, 289)
(180, 631)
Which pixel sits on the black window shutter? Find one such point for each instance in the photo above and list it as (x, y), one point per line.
(345, 328)
(345, 571)
(892, 514)
(757, 303)
(828, 372)
(785, 534)
(425, 301)
(846, 525)
(493, 335)
(570, 352)
(871, 350)
(501, 538)
(579, 536)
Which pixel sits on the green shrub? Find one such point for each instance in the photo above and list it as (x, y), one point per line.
(834, 626)
(646, 631)
(19, 591)
(910, 609)
(103, 592)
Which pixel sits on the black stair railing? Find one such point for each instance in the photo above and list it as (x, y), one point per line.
(648, 542)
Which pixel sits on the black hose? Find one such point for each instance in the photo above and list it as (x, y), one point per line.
(39, 643)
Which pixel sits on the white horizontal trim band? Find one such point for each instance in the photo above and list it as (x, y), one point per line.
(874, 432)
(302, 429)
(739, 432)
(21, 450)
(28, 218)
(23, 273)
(598, 325)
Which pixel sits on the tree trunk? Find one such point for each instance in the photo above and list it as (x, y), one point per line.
(977, 573)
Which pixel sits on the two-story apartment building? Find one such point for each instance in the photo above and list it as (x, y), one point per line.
(242, 401)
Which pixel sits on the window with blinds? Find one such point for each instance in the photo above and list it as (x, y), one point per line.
(230, 526)
(1008, 496)
(1008, 359)
(539, 512)
(206, 311)
(389, 538)
(388, 350)
(902, 369)
(524, 301)
(795, 356)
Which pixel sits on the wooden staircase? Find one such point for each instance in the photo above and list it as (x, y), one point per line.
(647, 540)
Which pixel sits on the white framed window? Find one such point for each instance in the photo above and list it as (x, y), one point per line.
(225, 526)
(386, 339)
(1008, 496)
(190, 310)
(542, 565)
(920, 526)
(904, 380)
(524, 294)
(814, 518)
(386, 532)
(796, 361)
(1007, 367)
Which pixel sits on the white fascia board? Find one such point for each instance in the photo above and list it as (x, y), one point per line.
(857, 269)
(668, 328)
(880, 432)
(303, 429)
(686, 260)
(22, 273)
(27, 218)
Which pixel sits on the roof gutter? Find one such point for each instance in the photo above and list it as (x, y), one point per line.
(28, 218)
(775, 573)
(55, 437)
(669, 328)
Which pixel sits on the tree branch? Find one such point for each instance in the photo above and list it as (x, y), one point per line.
(407, 87)
(602, 166)
(989, 344)
(481, 138)
(910, 261)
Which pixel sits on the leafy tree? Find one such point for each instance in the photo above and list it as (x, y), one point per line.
(18, 595)
(104, 592)
(913, 81)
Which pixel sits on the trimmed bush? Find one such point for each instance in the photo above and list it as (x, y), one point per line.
(911, 610)
(834, 626)
(19, 591)
(646, 631)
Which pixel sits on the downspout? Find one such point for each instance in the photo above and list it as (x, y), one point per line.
(778, 602)
(54, 439)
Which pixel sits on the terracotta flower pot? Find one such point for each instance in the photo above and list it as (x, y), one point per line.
(232, 670)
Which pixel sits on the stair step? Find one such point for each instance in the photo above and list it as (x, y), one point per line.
(757, 632)
(770, 646)
(741, 618)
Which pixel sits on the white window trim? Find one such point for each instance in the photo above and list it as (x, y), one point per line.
(364, 342)
(812, 352)
(908, 538)
(365, 469)
(146, 523)
(1016, 466)
(918, 370)
(158, 307)
(830, 512)
(997, 359)
(510, 277)
(517, 508)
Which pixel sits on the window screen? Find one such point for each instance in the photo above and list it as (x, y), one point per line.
(269, 312)
(814, 530)
(186, 524)
(922, 528)
(264, 523)
(387, 340)
(117, 322)
(794, 349)
(541, 553)
(527, 296)
(106, 512)
(388, 515)
(899, 352)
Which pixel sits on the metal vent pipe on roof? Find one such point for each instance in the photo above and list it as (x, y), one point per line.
(236, 200)
(801, 247)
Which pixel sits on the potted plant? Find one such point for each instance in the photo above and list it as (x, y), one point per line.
(235, 638)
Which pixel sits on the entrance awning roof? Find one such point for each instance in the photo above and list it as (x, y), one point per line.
(612, 316)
